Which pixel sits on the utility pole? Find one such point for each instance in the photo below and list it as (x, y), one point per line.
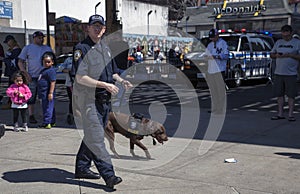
(148, 23)
(111, 16)
(47, 22)
(96, 7)
(186, 20)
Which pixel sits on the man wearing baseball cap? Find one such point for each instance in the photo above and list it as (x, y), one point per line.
(286, 52)
(217, 53)
(93, 86)
(32, 54)
(38, 34)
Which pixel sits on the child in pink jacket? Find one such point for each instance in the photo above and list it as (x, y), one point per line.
(19, 94)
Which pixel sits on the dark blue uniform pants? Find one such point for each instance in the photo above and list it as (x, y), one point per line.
(92, 148)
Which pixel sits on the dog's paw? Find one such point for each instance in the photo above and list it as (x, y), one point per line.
(132, 153)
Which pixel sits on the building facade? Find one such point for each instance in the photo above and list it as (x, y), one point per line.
(144, 18)
(252, 15)
(22, 17)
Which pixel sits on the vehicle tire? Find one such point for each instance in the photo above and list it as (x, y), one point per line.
(237, 80)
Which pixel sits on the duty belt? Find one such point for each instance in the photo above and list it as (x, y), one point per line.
(103, 98)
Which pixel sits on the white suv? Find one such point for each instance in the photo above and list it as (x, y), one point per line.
(249, 57)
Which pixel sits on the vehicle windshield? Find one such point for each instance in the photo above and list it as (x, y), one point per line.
(198, 47)
(261, 43)
(232, 42)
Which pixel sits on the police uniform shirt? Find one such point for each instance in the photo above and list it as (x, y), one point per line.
(80, 51)
(95, 61)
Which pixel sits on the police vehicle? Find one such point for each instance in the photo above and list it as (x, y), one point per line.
(249, 58)
(60, 75)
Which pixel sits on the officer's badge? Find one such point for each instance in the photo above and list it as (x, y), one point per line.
(77, 55)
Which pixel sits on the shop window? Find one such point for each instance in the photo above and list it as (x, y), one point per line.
(232, 42)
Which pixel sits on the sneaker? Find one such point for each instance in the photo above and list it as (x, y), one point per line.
(32, 119)
(25, 127)
(16, 127)
(46, 126)
(53, 124)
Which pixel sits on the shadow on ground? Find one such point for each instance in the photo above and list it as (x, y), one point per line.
(48, 175)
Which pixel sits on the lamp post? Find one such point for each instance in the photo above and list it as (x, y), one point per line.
(96, 7)
(47, 23)
(148, 21)
(186, 20)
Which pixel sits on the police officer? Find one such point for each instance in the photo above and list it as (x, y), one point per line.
(93, 87)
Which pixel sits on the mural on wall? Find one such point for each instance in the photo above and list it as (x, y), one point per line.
(294, 1)
(162, 42)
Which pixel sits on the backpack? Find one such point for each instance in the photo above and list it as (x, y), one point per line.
(11, 61)
(10, 67)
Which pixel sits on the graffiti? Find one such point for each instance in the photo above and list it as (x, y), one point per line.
(162, 42)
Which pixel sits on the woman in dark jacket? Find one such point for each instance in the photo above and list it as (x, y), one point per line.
(11, 57)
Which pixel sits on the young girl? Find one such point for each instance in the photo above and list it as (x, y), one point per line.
(19, 94)
(46, 89)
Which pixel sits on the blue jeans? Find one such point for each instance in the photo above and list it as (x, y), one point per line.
(33, 88)
(48, 111)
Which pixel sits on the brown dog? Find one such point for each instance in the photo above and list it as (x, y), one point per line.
(118, 123)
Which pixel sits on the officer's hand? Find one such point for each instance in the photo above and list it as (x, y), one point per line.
(127, 84)
(280, 55)
(111, 88)
(209, 57)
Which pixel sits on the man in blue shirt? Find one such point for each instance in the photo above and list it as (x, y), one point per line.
(32, 54)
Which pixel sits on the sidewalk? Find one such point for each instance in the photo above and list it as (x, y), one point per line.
(267, 154)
